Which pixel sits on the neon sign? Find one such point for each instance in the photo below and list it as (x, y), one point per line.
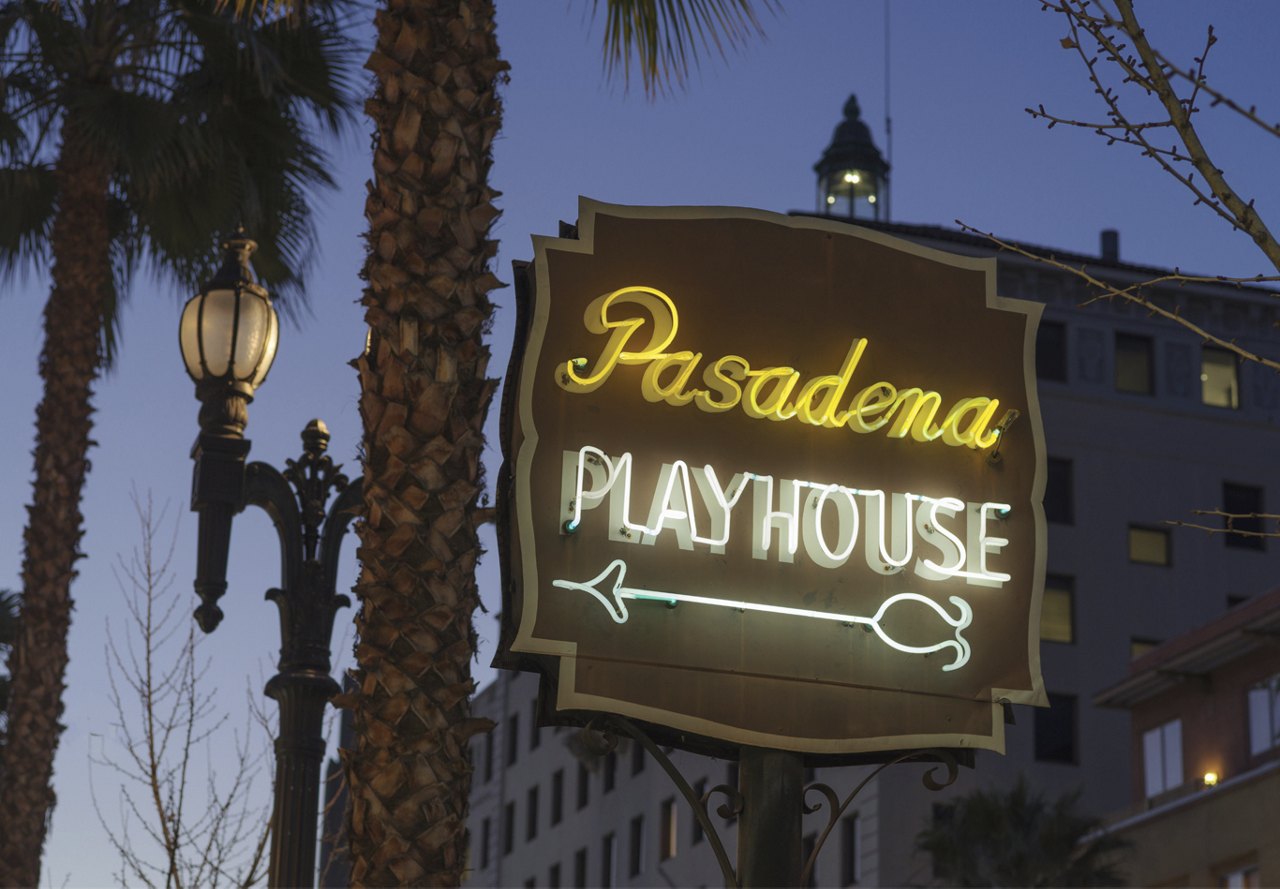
(766, 393)
(812, 583)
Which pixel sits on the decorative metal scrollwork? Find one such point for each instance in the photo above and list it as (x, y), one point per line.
(836, 808)
(730, 808)
(608, 727)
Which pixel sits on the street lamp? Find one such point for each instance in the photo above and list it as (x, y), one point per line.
(228, 334)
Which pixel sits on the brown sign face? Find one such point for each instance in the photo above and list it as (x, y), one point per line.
(766, 486)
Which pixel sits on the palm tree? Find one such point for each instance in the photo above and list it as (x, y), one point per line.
(1017, 838)
(8, 631)
(425, 394)
(131, 133)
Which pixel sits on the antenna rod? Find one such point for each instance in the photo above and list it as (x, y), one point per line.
(888, 121)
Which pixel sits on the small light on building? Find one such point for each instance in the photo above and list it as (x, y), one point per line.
(831, 199)
(1210, 779)
(871, 199)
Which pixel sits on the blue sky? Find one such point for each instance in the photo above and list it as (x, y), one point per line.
(745, 133)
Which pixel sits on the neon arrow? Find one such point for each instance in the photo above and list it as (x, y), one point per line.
(614, 601)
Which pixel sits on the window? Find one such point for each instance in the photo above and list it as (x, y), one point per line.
(1057, 609)
(486, 835)
(1059, 505)
(806, 852)
(1244, 503)
(553, 876)
(1241, 878)
(1051, 351)
(1264, 716)
(1162, 757)
(488, 756)
(1140, 645)
(580, 868)
(1148, 546)
(699, 790)
(508, 828)
(513, 739)
(667, 838)
(584, 786)
(608, 847)
(1219, 378)
(637, 846)
(1055, 730)
(535, 730)
(557, 796)
(637, 759)
(1134, 372)
(610, 770)
(850, 851)
(531, 814)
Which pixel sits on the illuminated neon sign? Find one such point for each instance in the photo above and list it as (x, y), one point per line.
(812, 583)
(765, 393)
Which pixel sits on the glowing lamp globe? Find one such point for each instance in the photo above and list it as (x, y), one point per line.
(229, 333)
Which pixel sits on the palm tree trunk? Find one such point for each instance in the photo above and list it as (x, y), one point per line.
(424, 397)
(69, 364)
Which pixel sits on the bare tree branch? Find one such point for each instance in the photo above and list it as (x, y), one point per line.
(168, 831)
(1118, 40)
(1134, 293)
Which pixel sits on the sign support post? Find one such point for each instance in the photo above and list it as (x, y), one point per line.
(769, 828)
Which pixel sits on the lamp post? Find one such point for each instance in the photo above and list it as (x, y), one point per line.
(228, 334)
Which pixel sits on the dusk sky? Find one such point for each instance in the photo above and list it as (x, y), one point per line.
(746, 132)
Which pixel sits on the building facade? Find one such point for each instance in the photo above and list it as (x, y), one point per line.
(1205, 753)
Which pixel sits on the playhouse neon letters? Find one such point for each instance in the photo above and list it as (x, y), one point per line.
(936, 538)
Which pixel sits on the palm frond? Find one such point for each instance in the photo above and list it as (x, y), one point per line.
(665, 37)
(28, 194)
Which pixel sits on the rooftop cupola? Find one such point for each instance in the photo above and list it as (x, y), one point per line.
(852, 175)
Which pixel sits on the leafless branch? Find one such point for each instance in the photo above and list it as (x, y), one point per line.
(1229, 523)
(1135, 293)
(172, 828)
(1106, 42)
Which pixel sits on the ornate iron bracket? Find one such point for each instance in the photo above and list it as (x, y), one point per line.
(600, 736)
(606, 725)
(836, 808)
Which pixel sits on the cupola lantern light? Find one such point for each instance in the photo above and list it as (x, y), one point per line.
(853, 176)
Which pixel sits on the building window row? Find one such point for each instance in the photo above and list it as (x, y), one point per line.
(1242, 504)
(1135, 365)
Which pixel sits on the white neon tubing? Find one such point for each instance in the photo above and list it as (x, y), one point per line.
(726, 504)
(820, 537)
(614, 602)
(1000, 542)
(884, 556)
